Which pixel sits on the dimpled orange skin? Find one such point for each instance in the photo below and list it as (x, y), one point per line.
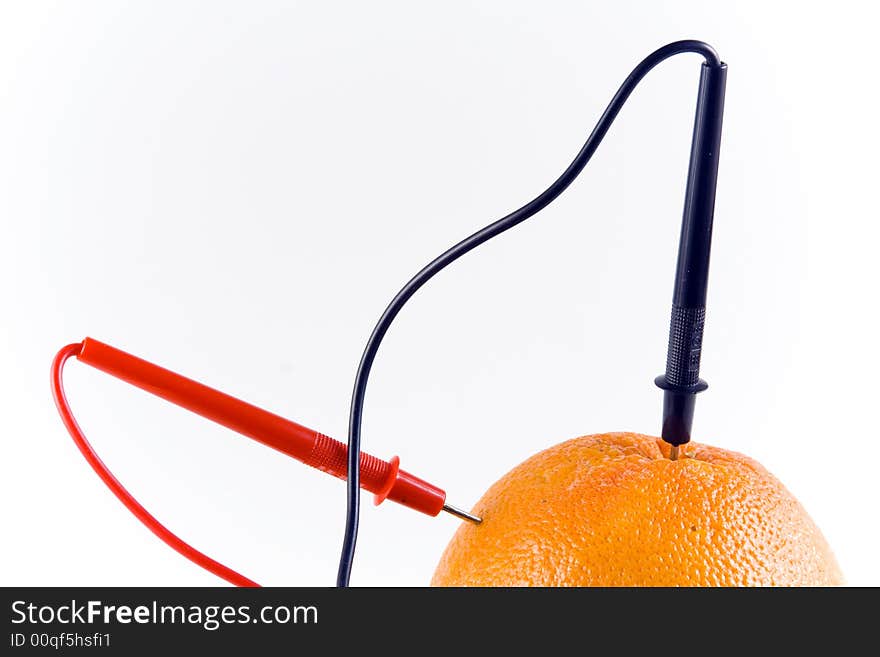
(613, 510)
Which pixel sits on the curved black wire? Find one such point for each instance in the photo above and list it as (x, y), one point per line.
(452, 254)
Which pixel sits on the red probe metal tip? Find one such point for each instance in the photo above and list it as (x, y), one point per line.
(464, 515)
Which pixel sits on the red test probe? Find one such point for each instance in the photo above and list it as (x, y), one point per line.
(383, 478)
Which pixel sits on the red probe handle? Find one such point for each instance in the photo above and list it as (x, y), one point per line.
(383, 478)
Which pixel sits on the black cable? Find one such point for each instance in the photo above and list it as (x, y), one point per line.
(452, 254)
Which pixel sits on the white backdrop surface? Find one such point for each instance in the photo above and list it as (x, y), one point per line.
(236, 190)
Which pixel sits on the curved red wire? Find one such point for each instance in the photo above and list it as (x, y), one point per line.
(160, 530)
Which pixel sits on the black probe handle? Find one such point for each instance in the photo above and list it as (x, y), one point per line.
(682, 382)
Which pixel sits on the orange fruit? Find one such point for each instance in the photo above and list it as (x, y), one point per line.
(613, 510)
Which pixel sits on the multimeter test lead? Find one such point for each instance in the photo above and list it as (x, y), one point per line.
(384, 479)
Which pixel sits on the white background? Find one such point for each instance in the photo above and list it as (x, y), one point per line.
(236, 190)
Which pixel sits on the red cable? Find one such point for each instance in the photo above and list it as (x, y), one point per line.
(160, 530)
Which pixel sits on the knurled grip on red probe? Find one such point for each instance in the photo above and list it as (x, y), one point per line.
(383, 478)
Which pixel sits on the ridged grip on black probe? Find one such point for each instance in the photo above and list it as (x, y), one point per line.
(682, 382)
(685, 344)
